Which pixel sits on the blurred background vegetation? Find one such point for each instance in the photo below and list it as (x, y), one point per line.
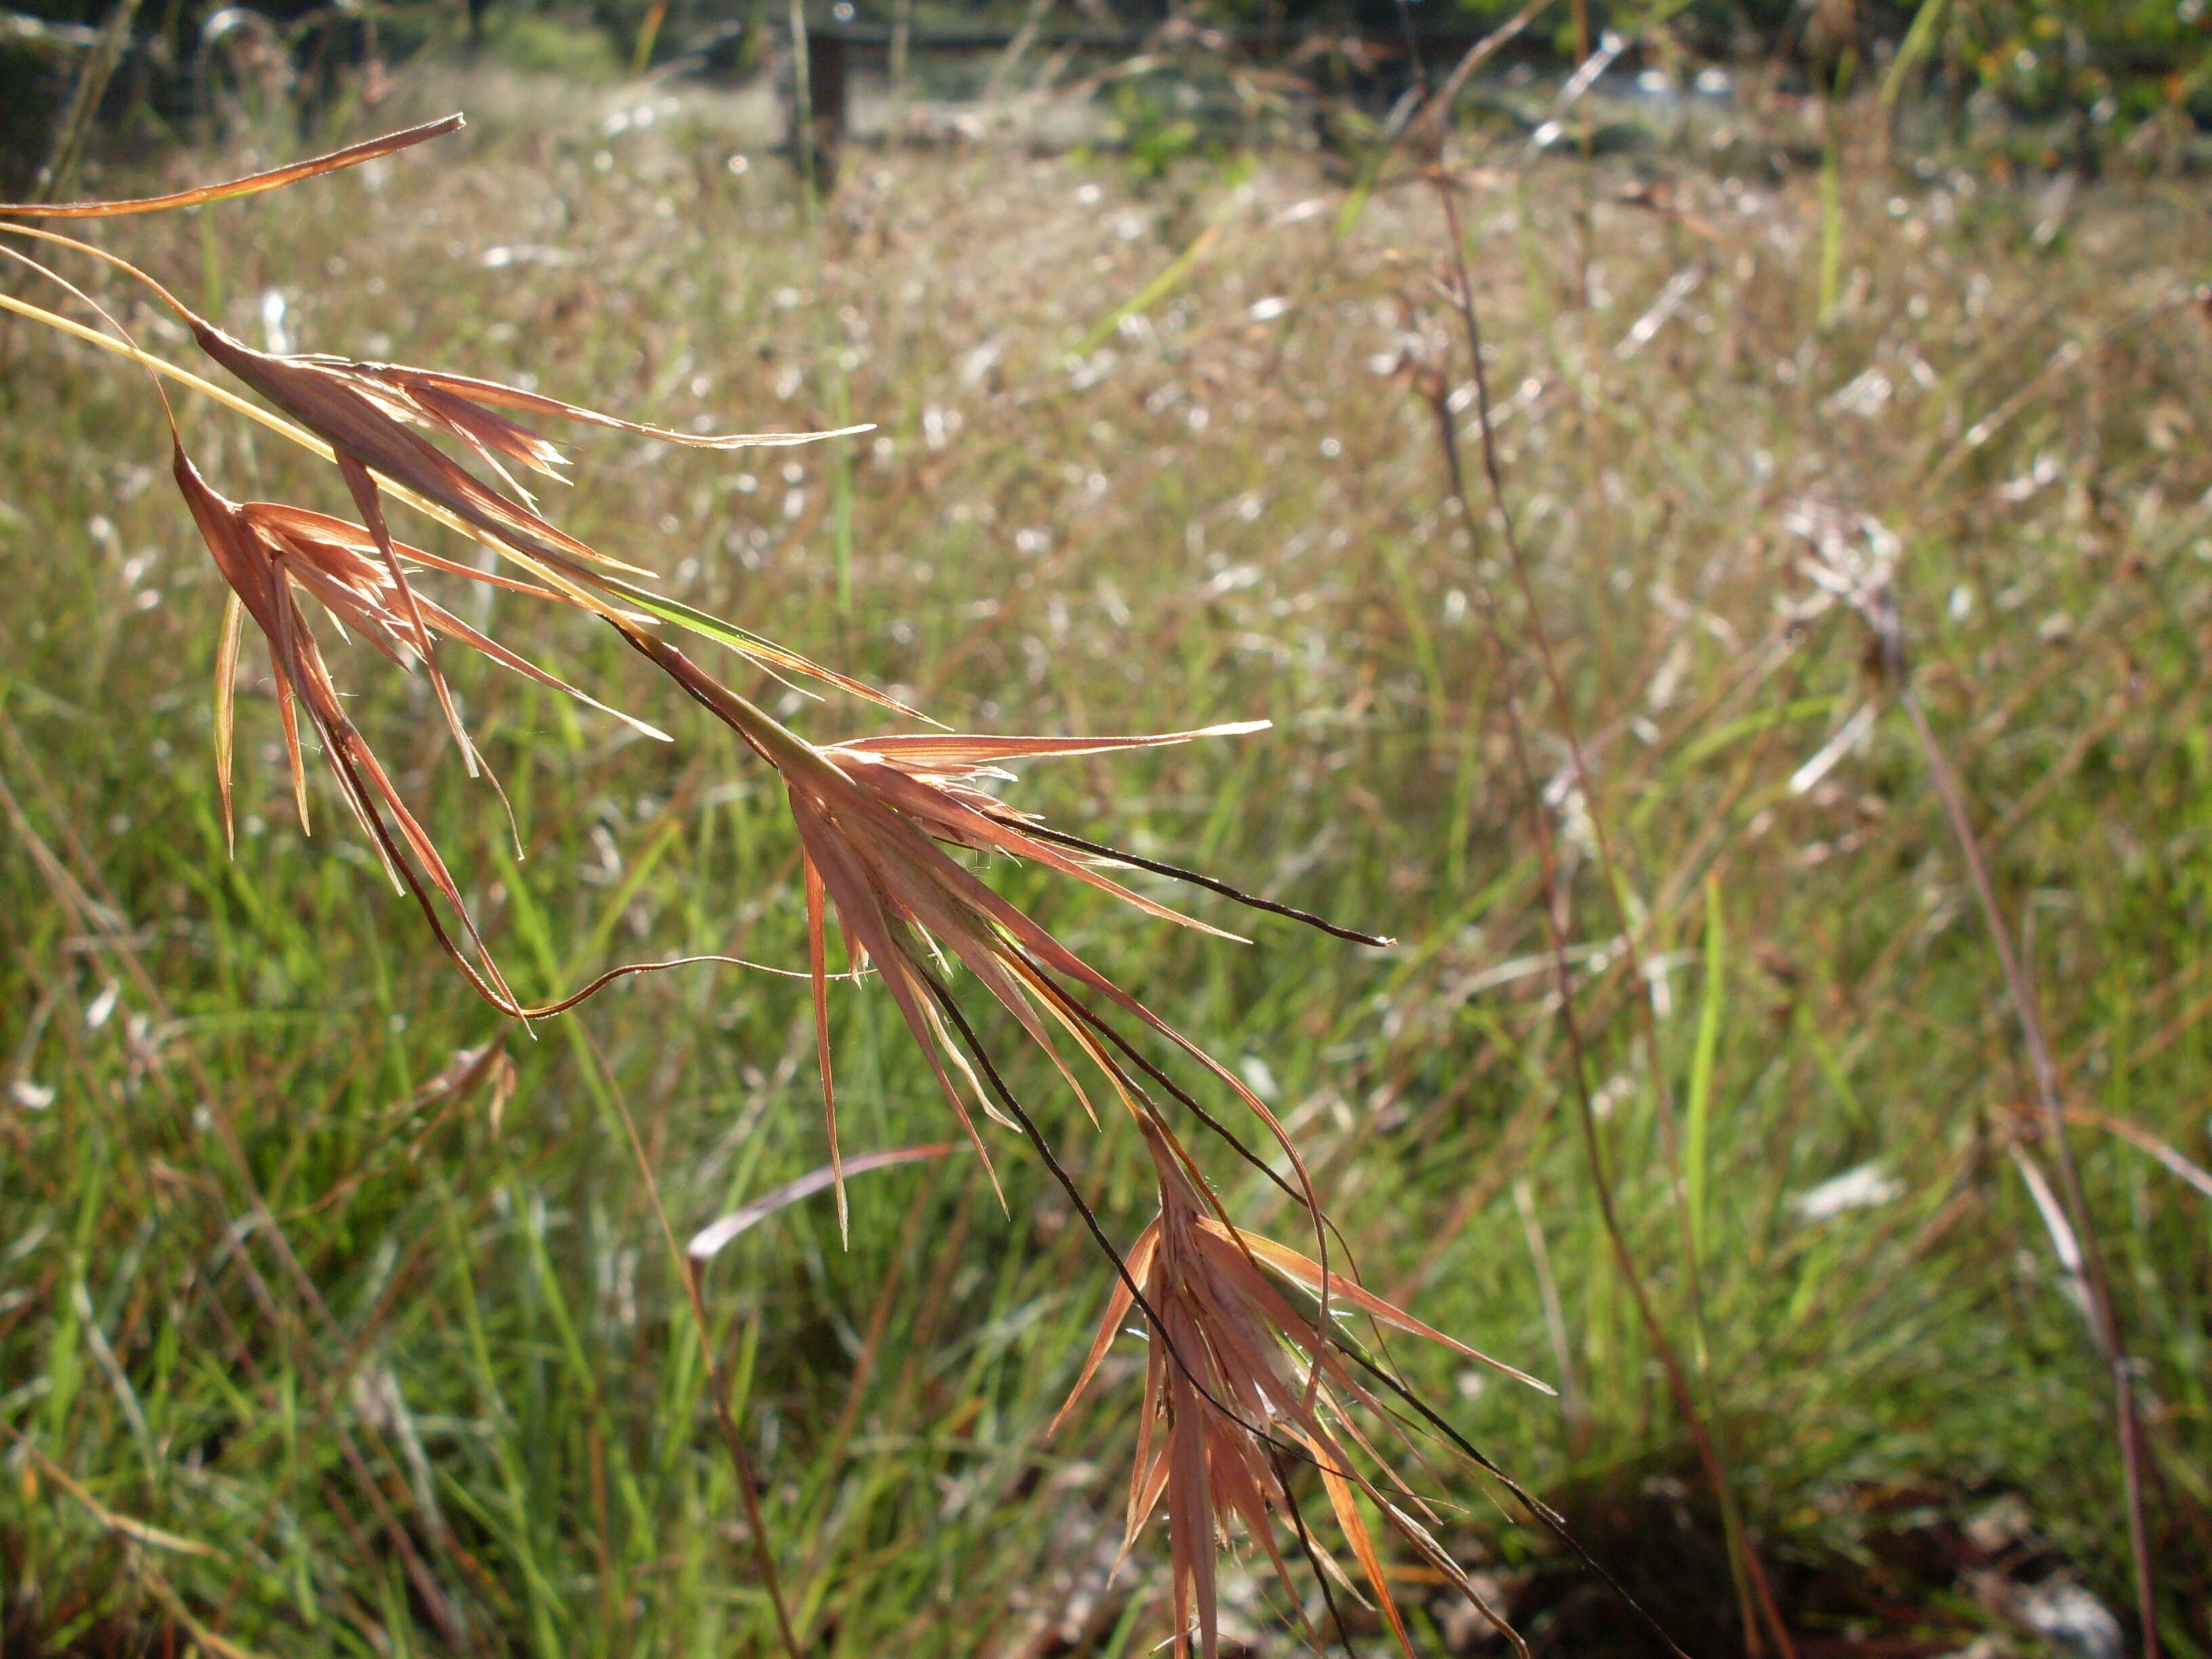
(2100, 67)
(314, 1341)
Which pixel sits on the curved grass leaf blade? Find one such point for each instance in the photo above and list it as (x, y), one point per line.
(252, 184)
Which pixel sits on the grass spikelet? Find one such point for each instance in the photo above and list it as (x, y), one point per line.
(267, 564)
(1241, 1386)
(874, 818)
(374, 415)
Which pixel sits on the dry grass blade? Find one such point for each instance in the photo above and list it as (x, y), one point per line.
(225, 698)
(1437, 107)
(959, 757)
(123, 1526)
(2163, 1152)
(710, 1241)
(252, 185)
(463, 404)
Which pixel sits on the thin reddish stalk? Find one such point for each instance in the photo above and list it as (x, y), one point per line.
(1754, 1597)
(2105, 1320)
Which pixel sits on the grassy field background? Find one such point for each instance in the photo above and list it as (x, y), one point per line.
(390, 1377)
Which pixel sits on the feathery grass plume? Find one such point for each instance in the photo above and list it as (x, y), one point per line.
(369, 413)
(371, 416)
(874, 816)
(269, 554)
(1240, 1387)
